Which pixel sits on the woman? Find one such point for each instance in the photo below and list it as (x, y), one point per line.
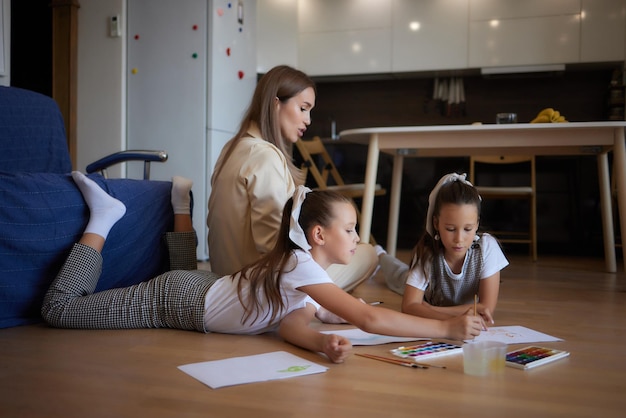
(254, 176)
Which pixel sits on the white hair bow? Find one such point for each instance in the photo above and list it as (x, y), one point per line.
(296, 233)
(433, 196)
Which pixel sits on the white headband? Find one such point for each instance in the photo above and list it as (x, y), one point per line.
(448, 178)
(296, 233)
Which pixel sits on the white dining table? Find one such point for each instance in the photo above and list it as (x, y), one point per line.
(570, 138)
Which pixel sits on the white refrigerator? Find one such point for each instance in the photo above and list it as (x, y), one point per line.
(191, 72)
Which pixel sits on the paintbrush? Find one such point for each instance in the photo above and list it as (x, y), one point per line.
(394, 361)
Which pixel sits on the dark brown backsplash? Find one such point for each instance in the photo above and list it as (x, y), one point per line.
(568, 198)
(579, 95)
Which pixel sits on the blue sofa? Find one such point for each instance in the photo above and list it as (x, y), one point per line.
(42, 212)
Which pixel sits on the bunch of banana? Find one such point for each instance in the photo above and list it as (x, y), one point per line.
(549, 115)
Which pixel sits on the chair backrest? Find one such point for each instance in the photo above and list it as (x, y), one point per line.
(528, 160)
(32, 133)
(318, 162)
(521, 185)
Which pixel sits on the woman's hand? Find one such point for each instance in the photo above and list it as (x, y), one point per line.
(336, 347)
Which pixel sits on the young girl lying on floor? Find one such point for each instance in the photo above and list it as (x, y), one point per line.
(282, 290)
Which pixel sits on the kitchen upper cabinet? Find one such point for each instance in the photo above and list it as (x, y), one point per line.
(516, 9)
(349, 52)
(343, 15)
(603, 30)
(524, 41)
(429, 35)
(277, 34)
(531, 32)
(344, 37)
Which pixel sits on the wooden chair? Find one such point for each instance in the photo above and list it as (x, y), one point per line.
(525, 192)
(317, 162)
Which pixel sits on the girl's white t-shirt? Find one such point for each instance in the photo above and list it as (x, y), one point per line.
(494, 260)
(224, 312)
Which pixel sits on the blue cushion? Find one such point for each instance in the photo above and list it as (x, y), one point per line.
(32, 133)
(43, 214)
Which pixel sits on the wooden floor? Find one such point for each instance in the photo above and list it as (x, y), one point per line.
(47, 372)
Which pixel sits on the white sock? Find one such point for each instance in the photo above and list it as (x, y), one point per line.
(105, 210)
(181, 197)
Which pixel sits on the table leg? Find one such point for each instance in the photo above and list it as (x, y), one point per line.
(367, 207)
(607, 215)
(619, 159)
(394, 204)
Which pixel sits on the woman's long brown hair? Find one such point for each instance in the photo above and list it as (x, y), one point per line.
(264, 275)
(282, 82)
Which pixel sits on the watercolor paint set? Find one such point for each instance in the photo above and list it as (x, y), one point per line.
(427, 350)
(533, 356)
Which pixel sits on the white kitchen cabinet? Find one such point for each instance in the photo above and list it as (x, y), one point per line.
(343, 15)
(338, 37)
(346, 52)
(515, 9)
(342, 37)
(524, 41)
(277, 34)
(603, 30)
(429, 35)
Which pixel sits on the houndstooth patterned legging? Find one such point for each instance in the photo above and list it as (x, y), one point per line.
(174, 299)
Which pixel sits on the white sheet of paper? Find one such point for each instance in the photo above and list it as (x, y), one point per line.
(249, 369)
(360, 337)
(515, 334)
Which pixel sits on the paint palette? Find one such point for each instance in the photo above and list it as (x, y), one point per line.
(533, 356)
(427, 350)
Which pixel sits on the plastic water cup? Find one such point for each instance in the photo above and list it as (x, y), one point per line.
(484, 357)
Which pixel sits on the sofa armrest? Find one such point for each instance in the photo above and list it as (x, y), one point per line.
(146, 156)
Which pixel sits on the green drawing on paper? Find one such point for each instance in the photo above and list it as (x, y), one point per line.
(293, 369)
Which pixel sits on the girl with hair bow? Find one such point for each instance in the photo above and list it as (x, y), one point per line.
(281, 291)
(453, 268)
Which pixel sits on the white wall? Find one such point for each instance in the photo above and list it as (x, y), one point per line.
(5, 42)
(101, 105)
